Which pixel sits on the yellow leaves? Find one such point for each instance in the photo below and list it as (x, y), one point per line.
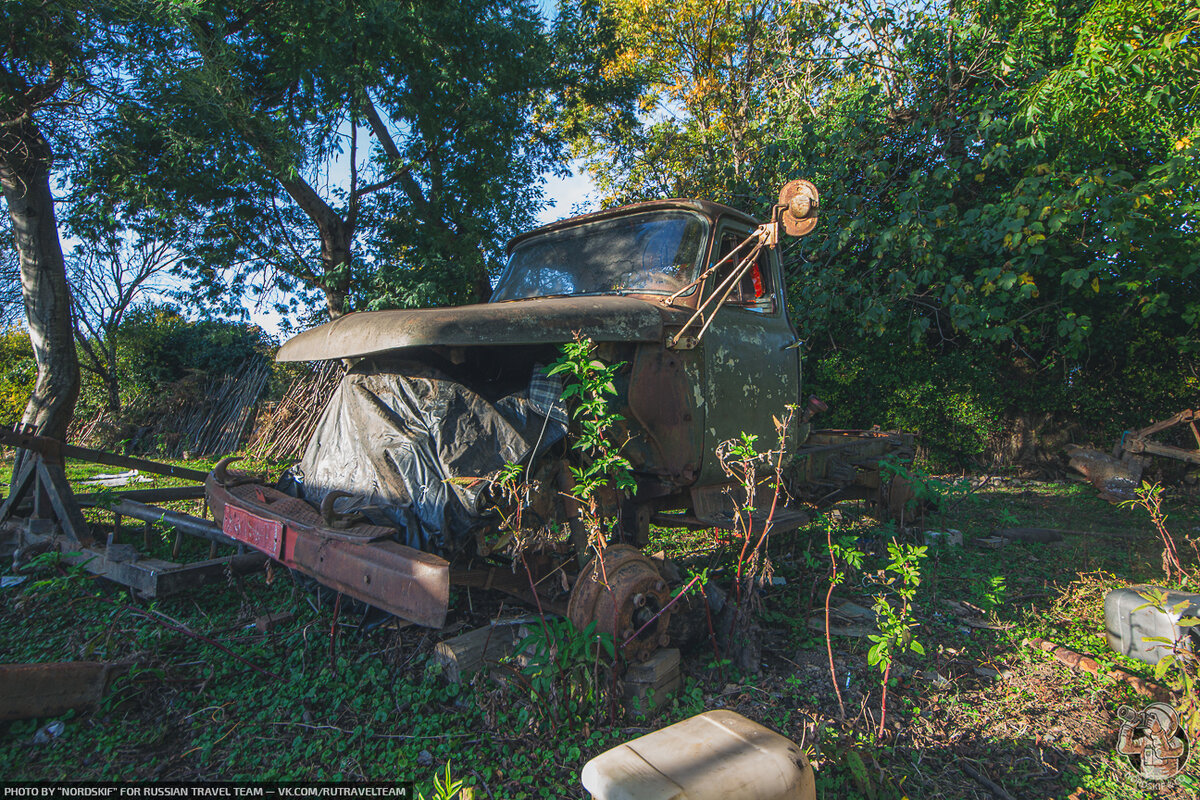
(1183, 143)
(1096, 285)
(695, 49)
(979, 177)
(1028, 280)
(1042, 169)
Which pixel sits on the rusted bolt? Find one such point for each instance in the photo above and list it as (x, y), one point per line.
(664, 640)
(639, 600)
(627, 633)
(367, 580)
(661, 586)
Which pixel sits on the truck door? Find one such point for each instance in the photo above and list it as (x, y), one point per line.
(751, 374)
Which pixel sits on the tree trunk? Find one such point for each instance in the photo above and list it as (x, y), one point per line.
(335, 258)
(25, 179)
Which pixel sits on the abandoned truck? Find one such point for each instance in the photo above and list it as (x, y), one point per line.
(397, 482)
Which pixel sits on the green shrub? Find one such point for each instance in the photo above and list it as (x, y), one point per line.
(18, 373)
(157, 347)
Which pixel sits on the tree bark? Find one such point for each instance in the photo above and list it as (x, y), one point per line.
(337, 237)
(25, 178)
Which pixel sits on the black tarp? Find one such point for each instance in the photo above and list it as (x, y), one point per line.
(395, 431)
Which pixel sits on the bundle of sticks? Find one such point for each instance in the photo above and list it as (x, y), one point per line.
(218, 423)
(283, 432)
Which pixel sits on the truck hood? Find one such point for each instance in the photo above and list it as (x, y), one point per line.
(549, 320)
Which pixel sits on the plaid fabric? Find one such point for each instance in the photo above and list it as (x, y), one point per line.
(545, 395)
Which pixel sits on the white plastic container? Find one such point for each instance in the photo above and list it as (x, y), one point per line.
(1129, 625)
(716, 755)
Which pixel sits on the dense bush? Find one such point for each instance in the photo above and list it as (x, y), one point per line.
(973, 406)
(159, 351)
(18, 371)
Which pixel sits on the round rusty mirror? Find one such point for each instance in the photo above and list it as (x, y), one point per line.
(800, 204)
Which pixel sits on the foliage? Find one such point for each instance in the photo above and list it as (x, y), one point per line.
(1149, 497)
(927, 491)
(446, 788)
(706, 109)
(1177, 663)
(18, 371)
(565, 671)
(156, 347)
(741, 461)
(1009, 185)
(424, 109)
(12, 309)
(589, 383)
(896, 623)
(844, 556)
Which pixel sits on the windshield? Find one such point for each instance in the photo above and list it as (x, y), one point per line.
(655, 252)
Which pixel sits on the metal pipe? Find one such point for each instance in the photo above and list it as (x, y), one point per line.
(184, 523)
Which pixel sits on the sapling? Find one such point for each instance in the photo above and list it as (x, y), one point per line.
(893, 605)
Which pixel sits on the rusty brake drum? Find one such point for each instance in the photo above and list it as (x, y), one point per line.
(621, 599)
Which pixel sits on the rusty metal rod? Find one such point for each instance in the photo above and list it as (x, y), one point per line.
(725, 286)
(184, 523)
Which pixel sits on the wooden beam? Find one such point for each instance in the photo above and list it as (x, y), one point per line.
(165, 494)
(54, 448)
(1165, 450)
(66, 510)
(20, 488)
(153, 577)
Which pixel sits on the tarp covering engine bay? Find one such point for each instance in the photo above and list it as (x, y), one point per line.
(394, 432)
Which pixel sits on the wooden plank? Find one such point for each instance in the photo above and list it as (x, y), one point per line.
(28, 691)
(465, 655)
(20, 488)
(66, 510)
(152, 577)
(1164, 450)
(189, 576)
(165, 494)
(47, 446)
(650, 684)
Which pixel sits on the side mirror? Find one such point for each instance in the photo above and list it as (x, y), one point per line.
(799, 203)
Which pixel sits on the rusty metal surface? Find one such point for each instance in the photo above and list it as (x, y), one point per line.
(1138, 442)
(258, 532)
(800, 204)
(359, 560)
(388, 575)
(634, 593)
(662, 402)
(548, 320)
(28, 691)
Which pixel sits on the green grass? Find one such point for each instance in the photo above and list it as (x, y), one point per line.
(364, 703)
